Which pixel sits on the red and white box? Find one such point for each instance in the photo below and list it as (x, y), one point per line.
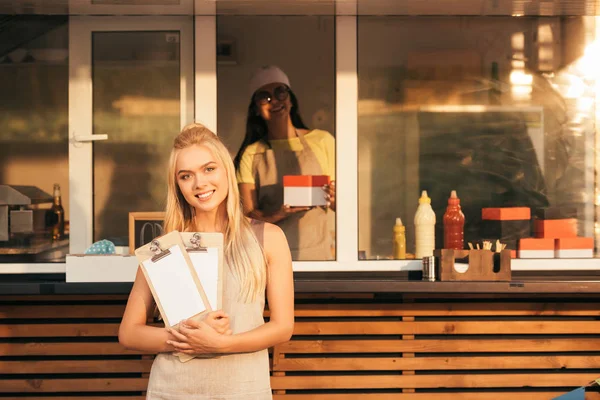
(577, 247)
(304, 190)
(536, 248)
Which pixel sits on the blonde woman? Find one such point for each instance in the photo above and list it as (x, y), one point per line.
(203, 197)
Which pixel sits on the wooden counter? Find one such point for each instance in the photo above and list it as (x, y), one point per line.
(428, 341)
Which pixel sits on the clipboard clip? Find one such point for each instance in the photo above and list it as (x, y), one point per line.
(158, 253)
(195, 241)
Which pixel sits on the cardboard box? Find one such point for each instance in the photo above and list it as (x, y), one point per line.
(536, 248)
(304, 190)
(555, 228)
(506, 214)
(578, 247)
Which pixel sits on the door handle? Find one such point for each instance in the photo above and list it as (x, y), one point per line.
(89, 138)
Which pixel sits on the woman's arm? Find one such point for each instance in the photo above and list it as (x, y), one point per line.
(134, 334)
(197, 337)
(250, 203)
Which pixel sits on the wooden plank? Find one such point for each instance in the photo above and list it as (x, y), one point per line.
(440, 346)
(74, 385)
(74, 366)
(430, 381)
(62, 311)
(64, 297)
(67, 349)
(333, 296)
(436, 363)
(526, 297)
(446, 328)
(77, 398)
(429, 396)
(408, 355)
(58, 330)
(341, 328)
(447, 309)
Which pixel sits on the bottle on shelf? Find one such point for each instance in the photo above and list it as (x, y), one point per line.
(399, 240)
(424, 227)
(454, 224)
(56, 216)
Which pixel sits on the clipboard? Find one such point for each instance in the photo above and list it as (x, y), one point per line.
(173, 281)
(206, 253)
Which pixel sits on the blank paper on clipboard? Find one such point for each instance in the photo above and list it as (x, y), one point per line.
(206, 253)
(206, 265)
(172, 279)
(174, 285)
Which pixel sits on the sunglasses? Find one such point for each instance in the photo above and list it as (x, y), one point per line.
(264, 97)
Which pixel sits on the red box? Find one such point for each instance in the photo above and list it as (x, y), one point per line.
(555, 228)
(577, 243)
(536, 244)
(506, 213)
(305, 180)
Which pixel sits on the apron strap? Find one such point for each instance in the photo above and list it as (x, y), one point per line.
(259, 231)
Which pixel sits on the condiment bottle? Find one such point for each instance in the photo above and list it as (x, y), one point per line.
(454, 224)
(399, 240)
(424, 227)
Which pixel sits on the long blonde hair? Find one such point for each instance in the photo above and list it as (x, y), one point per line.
(243, 253)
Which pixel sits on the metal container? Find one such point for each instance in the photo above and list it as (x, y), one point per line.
(19, 215)
(429, 268)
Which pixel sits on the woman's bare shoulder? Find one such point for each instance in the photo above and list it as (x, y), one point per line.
(275, 240)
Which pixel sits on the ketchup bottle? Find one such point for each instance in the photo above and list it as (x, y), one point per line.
(454, 224)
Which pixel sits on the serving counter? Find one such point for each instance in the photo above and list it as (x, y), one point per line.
(357, 335)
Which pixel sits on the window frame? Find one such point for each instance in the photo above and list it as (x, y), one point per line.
(200, 94)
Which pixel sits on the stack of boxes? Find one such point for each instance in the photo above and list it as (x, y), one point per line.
(555, 232)
(558, 228)
(507, 224)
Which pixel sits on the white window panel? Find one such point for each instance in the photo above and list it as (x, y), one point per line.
(206, 71)
(346, 153)
(137, 7)
(80, 105)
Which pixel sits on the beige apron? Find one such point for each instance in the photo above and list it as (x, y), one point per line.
(240, 376)
(306, 232)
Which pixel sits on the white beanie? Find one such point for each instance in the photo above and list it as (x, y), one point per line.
(265, 75)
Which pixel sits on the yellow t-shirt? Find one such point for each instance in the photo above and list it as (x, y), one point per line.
(322, 143)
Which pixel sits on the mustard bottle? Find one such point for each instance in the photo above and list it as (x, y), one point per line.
(399, 240)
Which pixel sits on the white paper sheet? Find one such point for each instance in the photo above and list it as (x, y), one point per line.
(174, 285)
(206, 265)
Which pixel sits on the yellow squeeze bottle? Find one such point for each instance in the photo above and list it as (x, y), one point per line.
(399, 240)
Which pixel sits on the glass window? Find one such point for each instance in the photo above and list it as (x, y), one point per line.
(34, 82)
(500, 109)
(136, 102)
(302, 47)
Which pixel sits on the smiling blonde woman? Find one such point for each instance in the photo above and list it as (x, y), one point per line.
(232, 343)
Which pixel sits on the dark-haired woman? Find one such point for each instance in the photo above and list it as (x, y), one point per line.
(277, 143)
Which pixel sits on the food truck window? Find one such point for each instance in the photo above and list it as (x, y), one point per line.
(500, 109)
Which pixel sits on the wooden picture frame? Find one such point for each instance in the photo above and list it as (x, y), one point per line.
(139, 223)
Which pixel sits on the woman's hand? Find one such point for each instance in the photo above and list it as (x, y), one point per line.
(330, 194)
(219, 321)
(285, 211)
(197, 337)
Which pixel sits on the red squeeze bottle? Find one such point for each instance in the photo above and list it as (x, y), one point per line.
(454, 224)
